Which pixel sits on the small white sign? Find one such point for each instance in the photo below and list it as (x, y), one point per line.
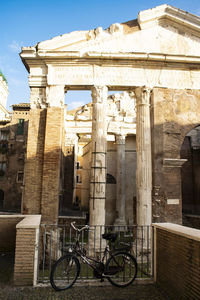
(173, 201)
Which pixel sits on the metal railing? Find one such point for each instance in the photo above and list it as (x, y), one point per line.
(56, 240)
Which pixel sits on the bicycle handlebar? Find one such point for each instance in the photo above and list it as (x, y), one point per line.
(77, 229)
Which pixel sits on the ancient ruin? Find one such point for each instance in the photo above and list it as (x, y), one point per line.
(120, 157)
(128, 156)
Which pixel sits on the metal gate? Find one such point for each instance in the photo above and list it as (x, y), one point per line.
(56, 240)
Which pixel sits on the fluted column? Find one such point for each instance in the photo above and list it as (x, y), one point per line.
(75, 142)
(99, 147)
(121, 180)
(144, 163)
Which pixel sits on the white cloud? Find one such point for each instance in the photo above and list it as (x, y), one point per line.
(15, 46)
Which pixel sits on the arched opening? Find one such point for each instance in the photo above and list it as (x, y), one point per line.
(190, 173)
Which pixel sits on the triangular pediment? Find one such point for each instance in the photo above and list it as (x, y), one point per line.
(163, 29)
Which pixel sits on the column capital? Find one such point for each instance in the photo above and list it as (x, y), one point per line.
(99, 93)
(38, 98)
(120, 139)
(142, 94)
(55, 95)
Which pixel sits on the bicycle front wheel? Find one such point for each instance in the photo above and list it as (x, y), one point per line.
(121, 269)
(65, 272)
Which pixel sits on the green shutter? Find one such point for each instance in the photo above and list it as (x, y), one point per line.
(20, 126)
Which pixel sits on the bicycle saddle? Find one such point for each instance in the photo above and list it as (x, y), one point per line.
(109, 236)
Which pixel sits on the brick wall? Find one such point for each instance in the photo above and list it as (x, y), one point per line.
(174, 113)
(177, 261)
(8, 232)
(26, 250)
(24, 257)
(51, 165)
(21, 233)
(34, 162)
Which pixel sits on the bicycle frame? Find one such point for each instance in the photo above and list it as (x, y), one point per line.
(88, 260)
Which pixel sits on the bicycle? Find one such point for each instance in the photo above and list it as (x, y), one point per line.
(120, 269)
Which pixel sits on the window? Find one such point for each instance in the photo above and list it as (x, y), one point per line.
(78, 165)
(4, 135)
(3, 146)
(20, 127)
(2, 168)
(77, 200)
(110, 179)
(78, 178)
(20, 176)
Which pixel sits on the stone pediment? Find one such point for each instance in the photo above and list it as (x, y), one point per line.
(163, 29)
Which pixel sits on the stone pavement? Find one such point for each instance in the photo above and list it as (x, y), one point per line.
(134, 292)
(105, 291)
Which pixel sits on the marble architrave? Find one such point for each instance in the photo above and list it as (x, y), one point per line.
(125, 76)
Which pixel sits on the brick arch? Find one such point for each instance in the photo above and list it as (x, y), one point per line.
(185, 130)
(190, 172)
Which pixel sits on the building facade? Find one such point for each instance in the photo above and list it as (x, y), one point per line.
(13, 138)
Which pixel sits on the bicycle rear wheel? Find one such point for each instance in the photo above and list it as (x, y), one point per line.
(121, 269)
(65, 272)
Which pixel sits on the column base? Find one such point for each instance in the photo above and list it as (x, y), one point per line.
(121, 223)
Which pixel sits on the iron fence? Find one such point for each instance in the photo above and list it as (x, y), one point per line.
(56, 240)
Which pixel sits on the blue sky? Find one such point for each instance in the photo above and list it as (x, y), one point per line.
(24, 23)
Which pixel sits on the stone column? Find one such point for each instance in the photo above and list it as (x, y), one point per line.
(144, 162)
(52, 154)
(75, 142)
(99, 147)
(121, 180)
(31, 203)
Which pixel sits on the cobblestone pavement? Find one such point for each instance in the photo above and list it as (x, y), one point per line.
(134, 292)
(137, 291)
